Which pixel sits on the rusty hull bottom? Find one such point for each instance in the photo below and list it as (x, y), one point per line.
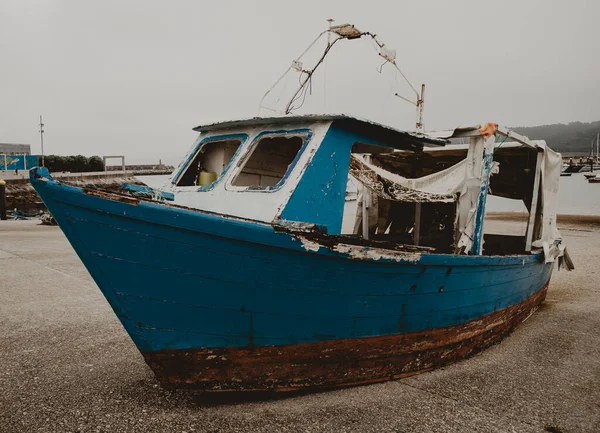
(335, 363)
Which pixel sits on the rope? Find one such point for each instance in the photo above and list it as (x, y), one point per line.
(152, 195)
(498, 147)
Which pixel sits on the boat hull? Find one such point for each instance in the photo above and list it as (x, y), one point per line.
(215, 302)
(336, 363)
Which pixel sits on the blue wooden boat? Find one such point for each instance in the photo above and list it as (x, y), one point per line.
(272, 295)
(259, 267)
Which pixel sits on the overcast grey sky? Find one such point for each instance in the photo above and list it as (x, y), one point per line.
(133, 77)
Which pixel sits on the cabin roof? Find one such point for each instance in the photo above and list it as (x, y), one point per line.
(462, 149)
(364, 127)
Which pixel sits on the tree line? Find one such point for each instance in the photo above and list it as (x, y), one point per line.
(574, 137)
(73, 163)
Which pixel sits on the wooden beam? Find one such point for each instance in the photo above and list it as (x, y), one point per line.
(417, 233)
(366, 205)
(365, 212)
(517, 137)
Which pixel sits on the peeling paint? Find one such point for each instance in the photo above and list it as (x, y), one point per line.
(367, 253)
(112, 196)
(309, 245)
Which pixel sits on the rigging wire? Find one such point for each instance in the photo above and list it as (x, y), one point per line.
(260, 106)
(280, 95)
(306, 83)
(498, 147)
(310, 73)
(379, 69)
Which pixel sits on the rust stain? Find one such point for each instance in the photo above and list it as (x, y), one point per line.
(335, 363)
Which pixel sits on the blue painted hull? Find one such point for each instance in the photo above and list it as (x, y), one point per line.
(181, 280)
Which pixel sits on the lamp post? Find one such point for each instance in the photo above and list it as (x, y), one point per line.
(42, 139)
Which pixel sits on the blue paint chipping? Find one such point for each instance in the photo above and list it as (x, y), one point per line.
(319, 198)
(488, 159)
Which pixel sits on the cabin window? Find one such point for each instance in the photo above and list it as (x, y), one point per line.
(209, 162)
(269, 161)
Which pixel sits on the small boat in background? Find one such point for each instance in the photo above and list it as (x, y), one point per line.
(573, 168)
(244, 272)
(564, 174)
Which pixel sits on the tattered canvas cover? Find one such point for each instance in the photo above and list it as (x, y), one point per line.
(446, 185)
(551, 168)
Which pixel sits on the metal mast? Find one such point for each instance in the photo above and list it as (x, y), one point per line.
(597, 146)
(42, 138)
(420, 107)
(330, 22)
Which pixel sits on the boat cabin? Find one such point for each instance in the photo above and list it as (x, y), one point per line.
(368, 182)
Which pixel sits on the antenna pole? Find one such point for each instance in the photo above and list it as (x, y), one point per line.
(42, 138)
(420, 107)
(329, 21)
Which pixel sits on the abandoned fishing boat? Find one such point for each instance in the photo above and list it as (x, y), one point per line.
(250, 271)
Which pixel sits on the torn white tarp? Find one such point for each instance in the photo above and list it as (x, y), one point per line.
(548, 237)
(550, 175)
(463, 182)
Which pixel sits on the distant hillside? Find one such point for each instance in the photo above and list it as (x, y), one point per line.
(575, 137)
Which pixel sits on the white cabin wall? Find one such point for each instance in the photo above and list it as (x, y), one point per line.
(350, 206)
(258, 205)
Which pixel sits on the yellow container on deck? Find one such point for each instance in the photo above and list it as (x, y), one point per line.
(206, 178)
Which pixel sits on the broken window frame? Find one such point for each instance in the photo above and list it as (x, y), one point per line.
(304, 133)
(364, 232)
(242, 137)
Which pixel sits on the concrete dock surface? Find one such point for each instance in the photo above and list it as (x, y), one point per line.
(67, 365)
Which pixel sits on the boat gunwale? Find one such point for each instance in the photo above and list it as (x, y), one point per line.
(303, 232)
